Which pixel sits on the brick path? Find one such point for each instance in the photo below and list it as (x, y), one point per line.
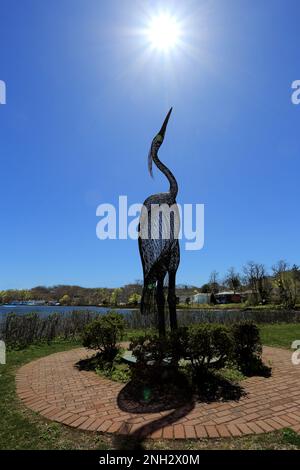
(53, 387)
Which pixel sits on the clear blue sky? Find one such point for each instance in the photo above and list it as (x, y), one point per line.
(84, 99)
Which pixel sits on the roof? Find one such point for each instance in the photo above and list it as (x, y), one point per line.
(228, 293)
(225, 293)
(202, 294)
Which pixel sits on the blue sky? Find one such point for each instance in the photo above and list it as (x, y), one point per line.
(84, 99)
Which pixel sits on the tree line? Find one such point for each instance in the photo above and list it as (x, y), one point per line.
(129, 294)
(280, 285)
(75, 295)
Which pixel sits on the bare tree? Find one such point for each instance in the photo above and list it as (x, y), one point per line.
(213, 282)
(232, 279)
(256, 277)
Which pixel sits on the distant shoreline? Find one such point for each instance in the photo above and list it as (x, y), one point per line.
(220, 307)
(119, 307)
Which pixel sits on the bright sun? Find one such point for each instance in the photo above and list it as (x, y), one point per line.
(164, 32)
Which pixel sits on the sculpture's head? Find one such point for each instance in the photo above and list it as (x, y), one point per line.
(157, 141)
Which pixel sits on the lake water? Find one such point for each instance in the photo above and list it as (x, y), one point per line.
(46, 310)
(218, 316)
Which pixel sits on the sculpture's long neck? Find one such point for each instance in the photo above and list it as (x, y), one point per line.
(169, 175)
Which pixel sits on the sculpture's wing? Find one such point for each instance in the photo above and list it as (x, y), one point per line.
(159, 231)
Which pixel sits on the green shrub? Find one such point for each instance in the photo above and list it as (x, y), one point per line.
(248, 349)
(177, 344)
(156, 361)
(205, 345)
(199, 351)
(208, 345)
(151, 349)
(115, 370)
(156, 377)
(247, 341)
(103, 334)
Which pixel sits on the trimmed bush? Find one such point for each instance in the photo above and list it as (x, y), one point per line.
(177, 344)
(103, 334)
(204, 345)
(208, 345)
(156, 378)
(157, 363)
(248, 349)
(149, 349)
(150, 352)
(154, 350)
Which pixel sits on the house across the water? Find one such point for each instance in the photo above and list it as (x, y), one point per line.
(202, 298)
(228, 297)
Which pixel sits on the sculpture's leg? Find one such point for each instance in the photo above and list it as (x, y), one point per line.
(172, 300)
(160, 301)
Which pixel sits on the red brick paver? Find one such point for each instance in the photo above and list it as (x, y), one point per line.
(53, 387)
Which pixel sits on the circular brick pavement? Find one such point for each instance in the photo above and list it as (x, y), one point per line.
(55, 388)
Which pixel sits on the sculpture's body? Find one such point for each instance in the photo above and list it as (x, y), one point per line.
(160, 254)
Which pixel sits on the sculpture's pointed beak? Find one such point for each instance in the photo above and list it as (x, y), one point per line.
(164, 126)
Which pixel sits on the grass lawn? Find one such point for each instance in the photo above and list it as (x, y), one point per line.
(23, 429)
(280, 334)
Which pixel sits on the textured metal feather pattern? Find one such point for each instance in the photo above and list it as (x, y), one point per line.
(158, 240)
(159, 230)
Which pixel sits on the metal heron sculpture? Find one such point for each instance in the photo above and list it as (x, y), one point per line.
(158, 241)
